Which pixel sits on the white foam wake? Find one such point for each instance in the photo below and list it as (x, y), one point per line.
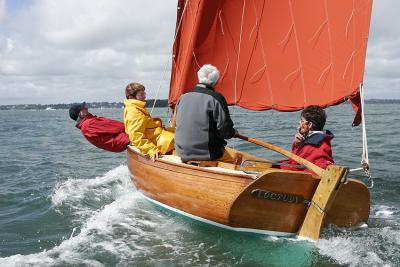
(76, 189)
(384, 212)
(363, 247)
(97, 224)
(350, 251)
(112, 225)
(81, 198)
(118, 228)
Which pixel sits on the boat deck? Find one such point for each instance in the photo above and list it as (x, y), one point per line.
(177, 159)
(222, 166)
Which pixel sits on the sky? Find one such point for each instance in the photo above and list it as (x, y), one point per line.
(65, 51)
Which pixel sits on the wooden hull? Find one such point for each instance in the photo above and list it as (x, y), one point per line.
(239, 201)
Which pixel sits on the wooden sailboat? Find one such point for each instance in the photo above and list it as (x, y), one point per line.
(272, 55)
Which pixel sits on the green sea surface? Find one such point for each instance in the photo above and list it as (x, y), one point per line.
(64, 202)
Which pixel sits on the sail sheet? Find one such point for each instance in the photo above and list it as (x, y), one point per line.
(273, 54)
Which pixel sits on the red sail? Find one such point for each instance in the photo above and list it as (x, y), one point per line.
(273, 54)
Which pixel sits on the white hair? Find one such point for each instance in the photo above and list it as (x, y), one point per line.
(208, 74)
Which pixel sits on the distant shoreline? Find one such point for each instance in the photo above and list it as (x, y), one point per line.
(149, 103)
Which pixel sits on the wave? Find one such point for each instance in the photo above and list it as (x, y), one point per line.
(113, 225)
(351, 251)
(363, 247)
(384, 212)
(80, 197)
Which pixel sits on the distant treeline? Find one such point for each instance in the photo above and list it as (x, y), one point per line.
(149, 103)
(382, 101)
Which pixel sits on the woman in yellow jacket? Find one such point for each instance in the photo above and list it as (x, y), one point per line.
(145, 133)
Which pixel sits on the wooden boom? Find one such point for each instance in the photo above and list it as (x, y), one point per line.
(284, 152)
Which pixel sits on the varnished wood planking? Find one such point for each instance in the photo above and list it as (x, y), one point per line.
(208, 197)
(351, 205)
(248, 211)
(214, 195)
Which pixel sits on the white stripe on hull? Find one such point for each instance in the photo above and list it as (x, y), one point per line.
(236, 229)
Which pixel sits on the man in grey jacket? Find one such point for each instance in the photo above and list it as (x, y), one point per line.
(202, 120)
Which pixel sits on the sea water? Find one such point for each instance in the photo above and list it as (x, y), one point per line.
(64, 202)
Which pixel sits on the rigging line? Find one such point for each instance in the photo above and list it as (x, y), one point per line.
(238, 59)
(180, 20)
(364, 132)
(165, 66)
(365, 160)
(226, 66)
(228, 61)
(240, 43)
(356, 169)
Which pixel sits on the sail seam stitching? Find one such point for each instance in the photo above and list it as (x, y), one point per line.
(240, 43)
(331, 52)
(298, 52)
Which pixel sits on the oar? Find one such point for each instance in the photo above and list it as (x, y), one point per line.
(284, 152)
(324, 195)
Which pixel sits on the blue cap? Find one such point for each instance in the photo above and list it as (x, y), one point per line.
(75, 109)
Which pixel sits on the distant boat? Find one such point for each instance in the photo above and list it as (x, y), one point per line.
(49, 108)
(281, 55)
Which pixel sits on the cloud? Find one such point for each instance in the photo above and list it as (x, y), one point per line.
(70, 50)
(2, 9)
(382, 70)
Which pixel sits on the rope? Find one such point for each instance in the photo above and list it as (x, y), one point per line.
(238, 60)
(165, 67)
(364, 157)
(240, 44)
(158, 91)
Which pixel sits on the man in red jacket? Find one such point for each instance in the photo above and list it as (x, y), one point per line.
(102, 132)
(311, 142)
